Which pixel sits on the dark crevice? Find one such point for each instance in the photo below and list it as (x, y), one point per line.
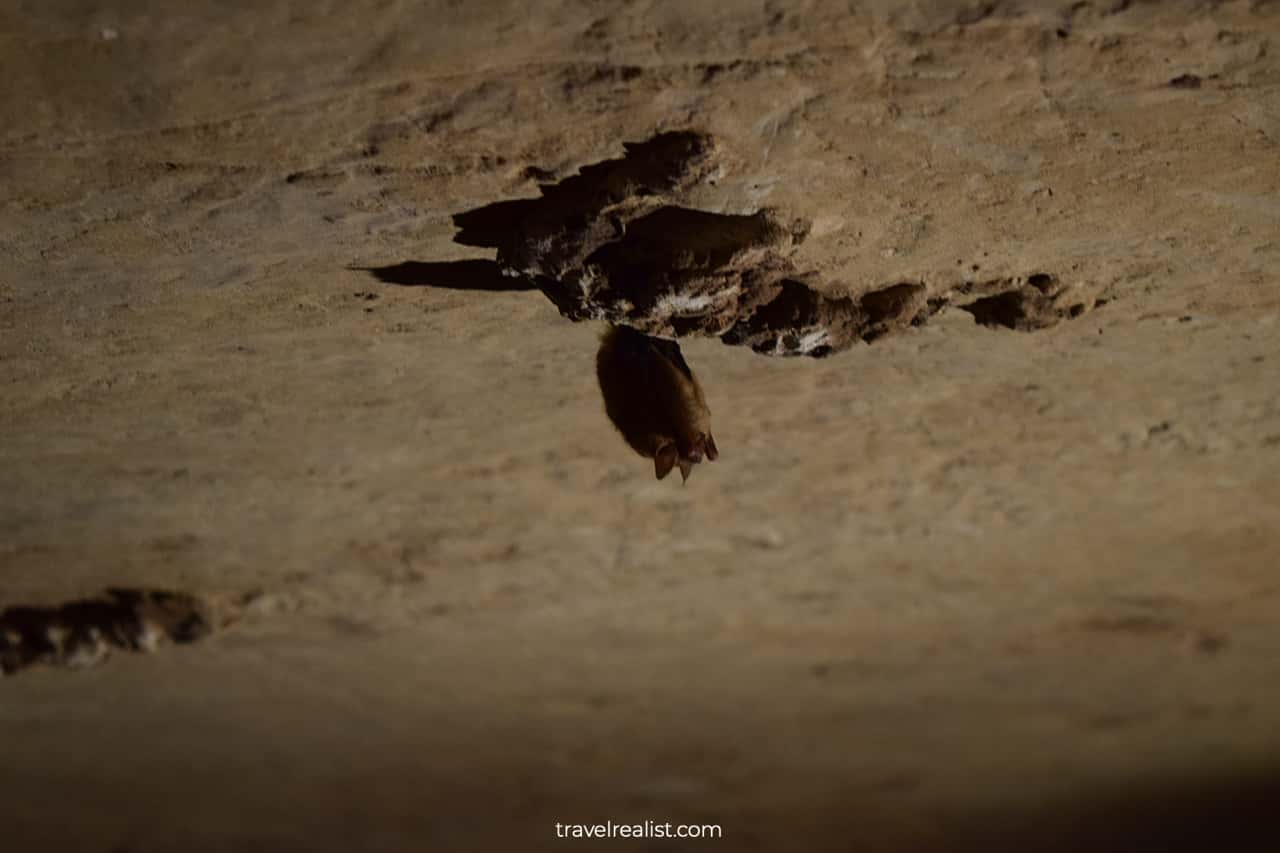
(1038, 303)
(615, 243)
(83, 633)
(1007, 309)
(1042, 281)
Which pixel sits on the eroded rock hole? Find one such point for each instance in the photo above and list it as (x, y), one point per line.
(1039, 303)
(615, 243)
(1004, 309)
(83, 633)
(1041, 281)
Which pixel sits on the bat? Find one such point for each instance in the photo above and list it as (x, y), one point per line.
(652, 397)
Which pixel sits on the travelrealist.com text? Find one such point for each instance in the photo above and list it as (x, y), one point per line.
(646, 829)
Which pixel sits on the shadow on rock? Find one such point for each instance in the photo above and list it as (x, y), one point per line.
(475, 274)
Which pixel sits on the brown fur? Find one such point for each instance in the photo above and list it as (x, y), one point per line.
(654, 400)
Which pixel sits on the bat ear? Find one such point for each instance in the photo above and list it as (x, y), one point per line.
(664, 460)
(686, 468)
(710, 448)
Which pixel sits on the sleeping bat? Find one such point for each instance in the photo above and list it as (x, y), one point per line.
(654, 400)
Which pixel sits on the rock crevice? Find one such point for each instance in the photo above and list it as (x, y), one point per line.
(614, 243)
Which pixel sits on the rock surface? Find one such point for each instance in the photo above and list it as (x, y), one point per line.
(978, 585)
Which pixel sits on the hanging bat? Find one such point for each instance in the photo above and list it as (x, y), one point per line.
(654, 400)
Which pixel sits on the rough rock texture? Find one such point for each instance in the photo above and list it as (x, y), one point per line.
(612, 243)
(965, 588)
(81, 634)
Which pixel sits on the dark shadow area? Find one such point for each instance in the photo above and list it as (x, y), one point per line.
(81, 633)
(1009, 309)
(662, 164)
(1217, 812)
(441, 799)
(1028, 304)
(478, 274)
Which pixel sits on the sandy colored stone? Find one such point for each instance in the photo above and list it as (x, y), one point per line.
(964, 587)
